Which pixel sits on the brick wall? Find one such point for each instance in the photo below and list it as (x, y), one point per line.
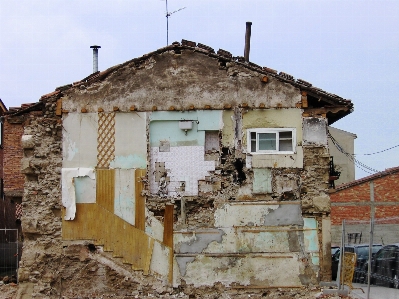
(352, 212)
(13, 178)
(352, 203)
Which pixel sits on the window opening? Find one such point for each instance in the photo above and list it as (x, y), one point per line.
(271, 140)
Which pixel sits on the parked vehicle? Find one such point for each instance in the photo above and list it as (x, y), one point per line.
(385, 266)
(362, 256)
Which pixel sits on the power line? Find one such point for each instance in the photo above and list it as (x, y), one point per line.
(392, 147)
(351, 157)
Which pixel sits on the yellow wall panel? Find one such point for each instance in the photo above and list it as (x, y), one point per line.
(106, 188)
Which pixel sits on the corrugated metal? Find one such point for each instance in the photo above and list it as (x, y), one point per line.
(140, 200)
(93, 222)
(97, 222)
(106, 188)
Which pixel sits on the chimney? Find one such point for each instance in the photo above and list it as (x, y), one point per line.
(95, 58)
(247, 41)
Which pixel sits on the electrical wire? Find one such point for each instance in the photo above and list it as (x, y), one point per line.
(351, 157)
(392, 147)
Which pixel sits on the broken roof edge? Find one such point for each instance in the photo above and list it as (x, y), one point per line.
(3, 106)
(221, 55)
(15, 111)
(366, 179)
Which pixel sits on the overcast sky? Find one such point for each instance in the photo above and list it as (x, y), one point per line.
(346, 47)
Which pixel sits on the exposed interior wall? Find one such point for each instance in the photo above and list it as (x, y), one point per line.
(125, 192)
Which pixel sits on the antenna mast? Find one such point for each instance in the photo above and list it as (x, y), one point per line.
(167, 20)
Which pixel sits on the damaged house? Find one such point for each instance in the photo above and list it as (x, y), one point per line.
(181, 167)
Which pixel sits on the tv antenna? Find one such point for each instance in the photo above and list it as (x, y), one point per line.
(168, 14)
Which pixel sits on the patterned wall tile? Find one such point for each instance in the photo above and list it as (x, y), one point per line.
(183, 164)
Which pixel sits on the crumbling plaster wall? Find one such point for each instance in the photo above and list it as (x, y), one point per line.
(180, 81)
(190, 81)
(51, 267)
(213, 242)
(41, 220)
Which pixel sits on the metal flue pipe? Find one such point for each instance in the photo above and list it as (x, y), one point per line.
(95, 57)
(247, 41)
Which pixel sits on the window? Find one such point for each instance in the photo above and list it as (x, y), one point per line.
(271, 141)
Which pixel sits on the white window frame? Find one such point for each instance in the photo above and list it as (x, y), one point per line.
(277, 131)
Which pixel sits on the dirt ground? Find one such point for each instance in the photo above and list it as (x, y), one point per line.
(9, 291)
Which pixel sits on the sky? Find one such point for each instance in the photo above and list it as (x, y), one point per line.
(346, 47)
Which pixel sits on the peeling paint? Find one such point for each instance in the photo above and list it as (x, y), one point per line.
(242, 215)
(68, 188)
(285, 215)
(315, 131)
(80, 149)
(311, 239)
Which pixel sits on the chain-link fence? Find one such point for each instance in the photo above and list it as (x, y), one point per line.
(10, 250)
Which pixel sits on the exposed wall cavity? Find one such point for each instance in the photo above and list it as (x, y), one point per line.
(193, 137)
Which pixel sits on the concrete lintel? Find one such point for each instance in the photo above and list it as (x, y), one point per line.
(14, 193)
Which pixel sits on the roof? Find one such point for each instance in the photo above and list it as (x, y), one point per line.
(343, 131)
(317, 94)
(3, 107)
(23, 108)
(386, 172)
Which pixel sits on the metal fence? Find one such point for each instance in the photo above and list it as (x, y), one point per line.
(375, 243)
(10, 250)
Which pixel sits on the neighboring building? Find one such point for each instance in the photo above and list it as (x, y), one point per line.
(4, 222)
(357, 201)
(188, 168)
(12, 187)
(342, 157)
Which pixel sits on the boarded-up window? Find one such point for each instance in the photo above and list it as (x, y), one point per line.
(262, 180)
(211, 141)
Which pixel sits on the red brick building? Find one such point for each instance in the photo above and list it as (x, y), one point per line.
(13, 179)
(355, 202)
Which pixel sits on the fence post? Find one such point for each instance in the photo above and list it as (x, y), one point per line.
(341, 254)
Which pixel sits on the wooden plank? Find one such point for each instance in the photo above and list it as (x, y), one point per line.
(168, 226)
(140, 200)
(105, 189)
(304, 99)
(58, 109)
